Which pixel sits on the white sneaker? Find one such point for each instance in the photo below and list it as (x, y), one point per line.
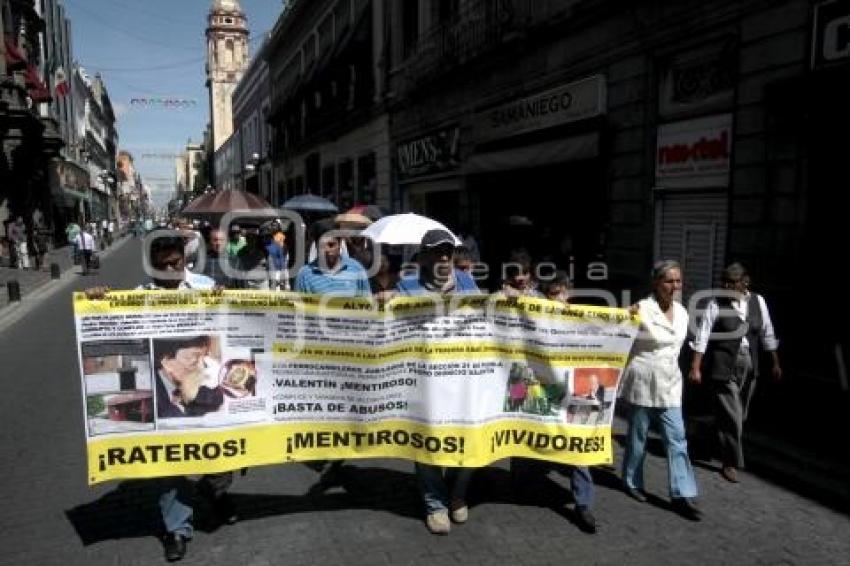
(460, 512)
(438, 523)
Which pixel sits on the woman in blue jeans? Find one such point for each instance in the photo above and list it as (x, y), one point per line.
(652, 386)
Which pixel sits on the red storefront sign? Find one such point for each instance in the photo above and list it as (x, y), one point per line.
(694, 153)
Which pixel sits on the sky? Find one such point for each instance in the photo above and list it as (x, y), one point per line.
(155, 48)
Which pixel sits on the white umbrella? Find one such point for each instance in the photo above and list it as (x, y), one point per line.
(403, 229)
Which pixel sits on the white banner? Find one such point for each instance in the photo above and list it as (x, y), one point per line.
(182, 382)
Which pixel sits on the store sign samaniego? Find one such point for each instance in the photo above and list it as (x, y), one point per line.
(831, 33)
(694, 153)
(435, 152)
(572, 102)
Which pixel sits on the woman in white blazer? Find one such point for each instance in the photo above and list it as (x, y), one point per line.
(652, 387)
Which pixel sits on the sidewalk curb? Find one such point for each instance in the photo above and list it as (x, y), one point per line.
(13, 312)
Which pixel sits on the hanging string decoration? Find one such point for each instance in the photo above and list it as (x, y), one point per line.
(160, 155)
(163, 102)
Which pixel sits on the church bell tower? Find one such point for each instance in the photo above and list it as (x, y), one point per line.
(227, 59)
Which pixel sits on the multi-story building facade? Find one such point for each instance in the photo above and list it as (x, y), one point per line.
(252, 144)
(195, 156)
(96, 128)
(593, 131)
(599, 136)
(328, 113)
(190, 172)
(28, 140)
(56, 63)
(228, 163)
(68, 174)
(493, 133)
(131, 201)
(180, 183)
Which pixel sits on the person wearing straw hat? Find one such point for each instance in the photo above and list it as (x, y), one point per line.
(352, 221)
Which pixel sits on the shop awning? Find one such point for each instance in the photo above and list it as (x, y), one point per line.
(575, 148)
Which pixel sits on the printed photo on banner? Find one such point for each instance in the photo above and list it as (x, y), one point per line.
(187, 376)
(118, 386)
(239, 378)
(205, 380)
(531, 392)
(592, 394)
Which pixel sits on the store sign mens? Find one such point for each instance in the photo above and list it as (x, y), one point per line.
(694, 153)
(568, 103)
(432, 153)
(831, 33)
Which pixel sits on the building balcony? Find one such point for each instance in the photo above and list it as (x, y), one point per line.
(479, 27)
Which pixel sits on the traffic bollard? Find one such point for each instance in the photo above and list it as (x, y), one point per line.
(55, 273)
(14, 289)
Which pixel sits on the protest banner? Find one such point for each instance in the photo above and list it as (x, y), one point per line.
(181, 382)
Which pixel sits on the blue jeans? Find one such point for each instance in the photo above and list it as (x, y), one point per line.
(672, 428)
(176, 514)
(582, 486)
(433, 484)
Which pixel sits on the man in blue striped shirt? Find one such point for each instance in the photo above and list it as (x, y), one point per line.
(332, 274)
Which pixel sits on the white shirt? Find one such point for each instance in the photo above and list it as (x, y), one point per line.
(652, 377)
(741, 306)
(193, 242)
(84, 241)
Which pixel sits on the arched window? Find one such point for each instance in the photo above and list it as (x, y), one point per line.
(228, 52)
